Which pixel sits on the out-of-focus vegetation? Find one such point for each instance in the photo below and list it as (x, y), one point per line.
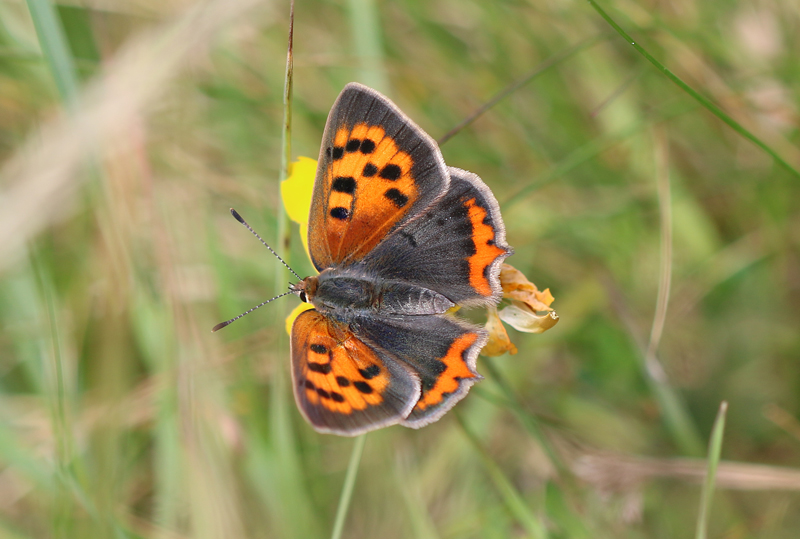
(669, 241)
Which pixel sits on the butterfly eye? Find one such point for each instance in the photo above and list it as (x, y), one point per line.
(303, 297)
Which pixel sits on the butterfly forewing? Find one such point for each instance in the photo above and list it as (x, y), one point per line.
(455, 247)
(376, 170)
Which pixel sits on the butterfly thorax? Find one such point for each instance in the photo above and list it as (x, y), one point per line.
(347, 293)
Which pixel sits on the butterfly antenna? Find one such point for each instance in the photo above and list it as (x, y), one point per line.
(223, 324)
(241, 220)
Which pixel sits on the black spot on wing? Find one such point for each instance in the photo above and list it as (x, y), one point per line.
(370, 372)
(391, 172)
(353, 145)
(319, 348)
(369, 170)
(398, 198)
(344, 184)
(338, 152)
(340, 213)
(412, 241)
(323, 368)
(363, 387)
(367, 146)
(342, 381)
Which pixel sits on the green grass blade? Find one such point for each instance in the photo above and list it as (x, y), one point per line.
(294, 506)
(347, 488)
(525, 79)
(365, 23)
(512, 498)
(64, 507)
(284, 230)
(704, 101)
(714, 450)
(528, 420)
(288, 86)
(55, 48)
(676, 416)
(673, 407)
(589, 150)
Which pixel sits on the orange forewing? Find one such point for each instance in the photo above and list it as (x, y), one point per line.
(367, 188)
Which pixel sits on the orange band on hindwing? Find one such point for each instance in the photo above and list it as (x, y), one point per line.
(486, 251)
(455, 370)
(369, 188)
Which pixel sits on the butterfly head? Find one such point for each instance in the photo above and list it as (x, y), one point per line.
(306, 289)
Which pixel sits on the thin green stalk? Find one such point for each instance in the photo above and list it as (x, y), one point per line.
(365, 23)
(513, 499)
(58, 408)
(368, 44)
(586, 152)
(347, 488)
(714, 450)
(673, 408)
(704, 101)
(525, 79)
(527, 419)
(70, 493)
(288, 86)
(284, 231)
(55, 48)
(294, 505)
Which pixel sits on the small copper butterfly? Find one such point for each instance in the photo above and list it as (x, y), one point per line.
(399, 239)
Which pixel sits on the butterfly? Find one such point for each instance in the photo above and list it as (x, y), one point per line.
(399, 240)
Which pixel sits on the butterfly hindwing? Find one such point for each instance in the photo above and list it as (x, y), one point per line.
(344, 386)
(440, 349)
(455, 247)
(376, 170)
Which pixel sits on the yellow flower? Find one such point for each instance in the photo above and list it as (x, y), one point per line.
(303, 306)
(522, 314)
(296, 192)
(498, 343)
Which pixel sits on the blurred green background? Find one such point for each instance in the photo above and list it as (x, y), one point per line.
(129, 127)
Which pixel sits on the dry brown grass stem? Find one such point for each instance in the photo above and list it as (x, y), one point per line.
(621, 473)
(41, 179)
